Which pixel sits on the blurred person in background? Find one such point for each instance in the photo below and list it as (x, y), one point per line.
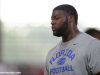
(77, 53)
(8, 69)
(93, 32)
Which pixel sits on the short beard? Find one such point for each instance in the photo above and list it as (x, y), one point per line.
(61, 31)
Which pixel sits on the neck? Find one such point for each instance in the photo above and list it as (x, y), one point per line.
(70, 35)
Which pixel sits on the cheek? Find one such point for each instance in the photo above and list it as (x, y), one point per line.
(60, 22)
(59, 25)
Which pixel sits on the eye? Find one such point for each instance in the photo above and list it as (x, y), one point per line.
(54, 18)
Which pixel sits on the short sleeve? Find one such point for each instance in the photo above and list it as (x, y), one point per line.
(46, 72)
(94, 56)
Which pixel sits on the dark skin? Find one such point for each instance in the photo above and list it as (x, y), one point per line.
(58, 18)
(58, 21)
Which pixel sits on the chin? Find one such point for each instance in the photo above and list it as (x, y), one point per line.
(57, 35)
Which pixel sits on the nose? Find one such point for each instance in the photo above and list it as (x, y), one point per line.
(52, 22)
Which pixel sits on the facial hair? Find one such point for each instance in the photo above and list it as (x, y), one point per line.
(61, 31)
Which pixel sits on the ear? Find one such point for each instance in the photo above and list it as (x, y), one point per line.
(71, 19)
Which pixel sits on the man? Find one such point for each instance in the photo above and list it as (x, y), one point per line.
(93, 32)
(77, 53)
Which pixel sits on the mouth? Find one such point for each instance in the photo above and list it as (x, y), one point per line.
(53, 29)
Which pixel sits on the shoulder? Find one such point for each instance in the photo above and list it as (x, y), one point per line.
(84, 39)
(92, 42)
(95, 44)
(87, 42)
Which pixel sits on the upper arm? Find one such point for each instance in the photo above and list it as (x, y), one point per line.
(94, 58)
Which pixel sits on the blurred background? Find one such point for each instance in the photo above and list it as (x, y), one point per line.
(25, 30)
